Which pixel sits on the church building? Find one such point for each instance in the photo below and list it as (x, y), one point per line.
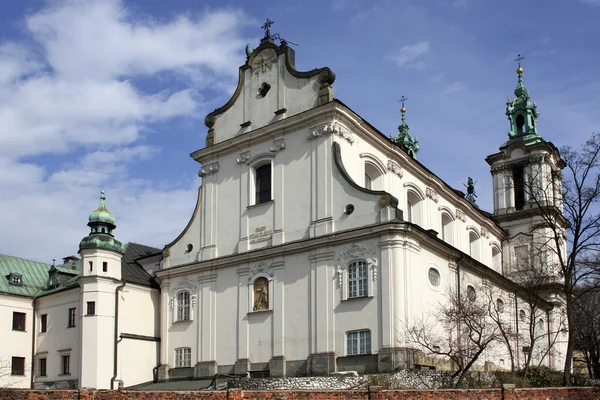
(315, 239)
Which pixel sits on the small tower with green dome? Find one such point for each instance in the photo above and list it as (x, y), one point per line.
(100, 249)
(100, 277)
(410, 143)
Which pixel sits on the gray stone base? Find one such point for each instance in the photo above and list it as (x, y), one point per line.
(392, 359)
(242, 366)
(163, 372)
(205, 369)
(277, 366)
(321, 363)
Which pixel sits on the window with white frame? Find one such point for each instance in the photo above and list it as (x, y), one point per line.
(183, 306)
(496, 259)
(413, 208)
(358, 342)
(368, 181)
(500, 305)
(183, 357)
(446, 228)
(262, 183)
(474, 245)
(471, 293)
(434, 277)
(358, 279)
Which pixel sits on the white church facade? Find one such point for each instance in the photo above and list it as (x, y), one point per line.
(315, 239)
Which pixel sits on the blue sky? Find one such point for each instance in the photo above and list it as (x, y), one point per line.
(112, 95)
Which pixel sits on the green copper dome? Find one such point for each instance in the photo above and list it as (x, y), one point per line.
(101, 223)
(403, 137)
(101, 214)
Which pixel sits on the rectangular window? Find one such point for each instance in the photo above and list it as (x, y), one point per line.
(91, 308)
(183, 306)
(65, 364)
(357, 279)
(71, 318)
(18, 321)
(263, 184)
(91, 266)
(104, 266)
(44, 323)
(18, 366)
(519, 188)
(358, 342)
(42, 371)
(183, 357)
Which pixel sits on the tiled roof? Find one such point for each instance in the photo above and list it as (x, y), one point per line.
(131, 271)
(34, 275)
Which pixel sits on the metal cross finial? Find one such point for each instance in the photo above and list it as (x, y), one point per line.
(518, 59)
(267, 27)
(403, 99)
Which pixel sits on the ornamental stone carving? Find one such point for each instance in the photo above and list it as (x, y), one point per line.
(186, 283)
(395, 168)
(461, 215)
(485, 233)
(356, 251)
(277, 146)
(261, 294)
(333, 128)
(243, 158)
(432, 194)
(208, 170)
(260, 268)
(264, 62)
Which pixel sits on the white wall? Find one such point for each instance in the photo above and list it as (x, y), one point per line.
(15, 343)
(59, 339)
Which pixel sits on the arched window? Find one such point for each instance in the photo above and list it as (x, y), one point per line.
(540, 326)
(373, 177)
(368, 181)
(500, 306)
(471, 293)
(496, 259)
(473, 245)
(520, 124)
(183, 306)
(413, 208)
(261, 294)
(262, 184)
(522, 316)
(357, 279)
(446, 228)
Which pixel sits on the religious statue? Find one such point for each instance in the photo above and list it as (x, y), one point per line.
(261, 294)
(471, 196)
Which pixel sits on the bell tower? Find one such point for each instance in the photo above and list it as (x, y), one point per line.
(527, 182)
(101, 257)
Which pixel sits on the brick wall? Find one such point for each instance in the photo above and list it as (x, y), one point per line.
(362, 394)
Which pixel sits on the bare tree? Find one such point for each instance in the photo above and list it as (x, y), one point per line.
(568, 258)
(587, 330)
(459, 330)
(506, 328)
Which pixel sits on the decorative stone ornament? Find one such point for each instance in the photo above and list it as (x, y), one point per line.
(384, 201)
(333, 128)
(264, 62)
(395, 168)
(461, 215)
(243, 158)
(277, 146)
(208, 170)
(432, 194)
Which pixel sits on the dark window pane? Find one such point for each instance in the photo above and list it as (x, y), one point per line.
(66, 364)
(91, 308)
(42, 367)
(44, 323)
(263, 184)
(18, 366)
(71, 317)
(18, 321)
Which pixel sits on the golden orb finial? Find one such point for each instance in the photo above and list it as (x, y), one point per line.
(520, 70)
(403, 110)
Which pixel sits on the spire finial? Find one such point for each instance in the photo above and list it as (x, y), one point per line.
(519, 68)
(267, 28)
(402, 100)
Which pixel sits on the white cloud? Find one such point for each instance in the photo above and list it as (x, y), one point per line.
(70, 89)
(454, 87)
(593, 2)
(411, 56)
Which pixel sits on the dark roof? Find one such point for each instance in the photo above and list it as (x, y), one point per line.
(131, 271)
